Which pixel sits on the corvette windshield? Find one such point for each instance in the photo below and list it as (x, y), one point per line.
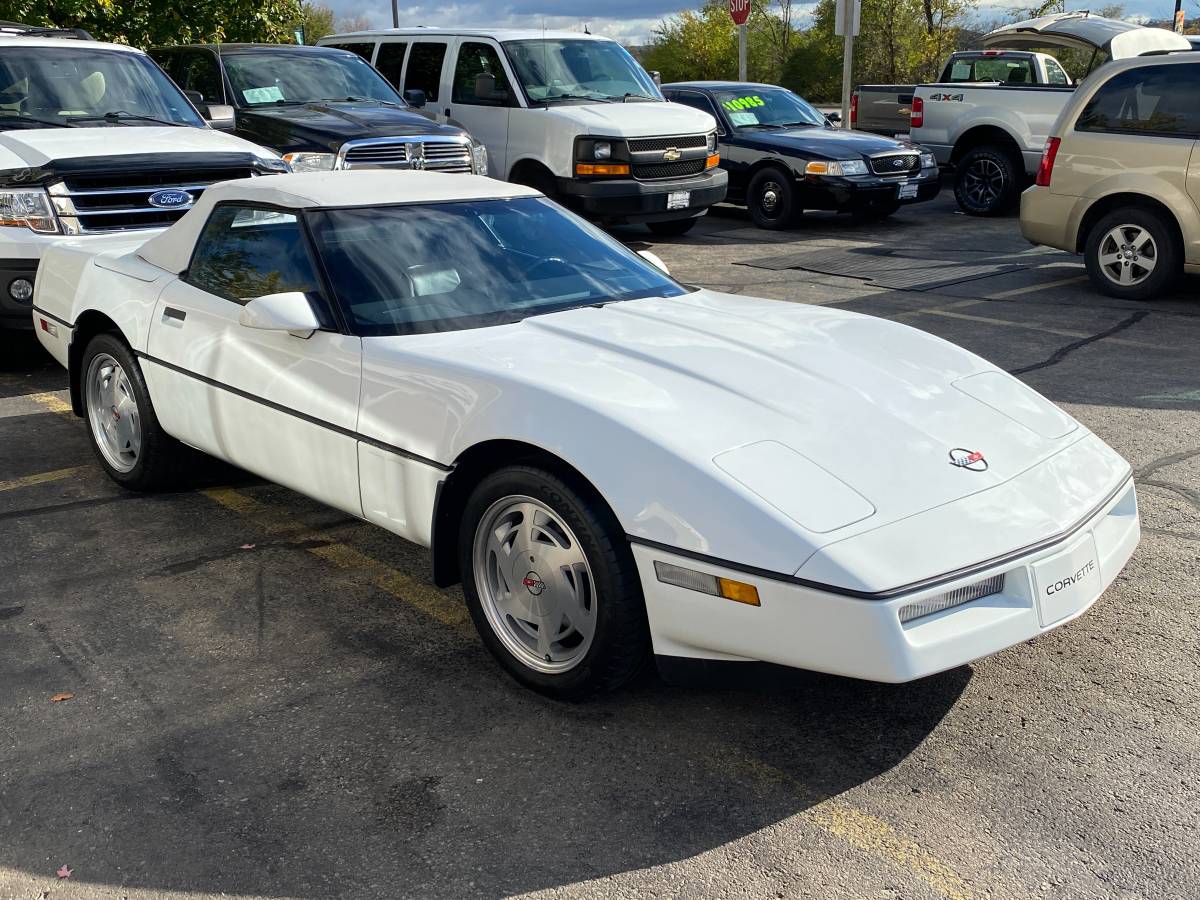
(87, 88)
(262, 77)
(448, 266)
(553, 70)
(767, 109)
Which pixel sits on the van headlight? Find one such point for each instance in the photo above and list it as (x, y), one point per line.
(479, 159)
(836, 167)
(310, 162)
(28, 207)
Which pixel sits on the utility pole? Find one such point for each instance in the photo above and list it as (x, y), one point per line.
(739, 11)
(846, 23)
(395, 13)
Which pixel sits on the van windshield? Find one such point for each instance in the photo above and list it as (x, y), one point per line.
(560, 70)
(44, 87)
(261, 77)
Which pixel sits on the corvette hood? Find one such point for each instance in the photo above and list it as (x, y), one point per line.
(762, 393)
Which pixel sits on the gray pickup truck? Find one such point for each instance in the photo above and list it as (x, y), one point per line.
(885, 108)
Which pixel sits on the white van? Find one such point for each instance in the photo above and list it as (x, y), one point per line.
(570, 114)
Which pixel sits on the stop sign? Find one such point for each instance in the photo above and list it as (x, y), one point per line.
(739, 11)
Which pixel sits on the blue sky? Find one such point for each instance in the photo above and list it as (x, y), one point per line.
(627, 20)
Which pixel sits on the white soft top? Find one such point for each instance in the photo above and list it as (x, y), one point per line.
(171, 249)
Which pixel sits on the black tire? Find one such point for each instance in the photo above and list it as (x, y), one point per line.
(987, 181)
(161, 461)
(673, 227)
(771, 199)
(539, 180)
(1121, 233)
(620, 645)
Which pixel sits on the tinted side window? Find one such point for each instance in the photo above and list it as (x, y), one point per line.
(698, 101)
(390, 62)
(475, 60)
(362, 48)
(198, 71)
(246, 252)
(1148, 100)
(425, 69)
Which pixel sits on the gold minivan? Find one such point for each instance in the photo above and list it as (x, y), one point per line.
(1119, 179)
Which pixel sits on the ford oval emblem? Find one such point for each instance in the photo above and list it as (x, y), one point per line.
(170, 199)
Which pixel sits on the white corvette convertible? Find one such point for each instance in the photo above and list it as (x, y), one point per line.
(612, 463)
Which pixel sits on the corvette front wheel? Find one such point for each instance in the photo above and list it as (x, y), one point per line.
(551, 583)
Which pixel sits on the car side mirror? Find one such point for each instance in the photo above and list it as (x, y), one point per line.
(415, 97)
(485, 88)
(220, 116)
(290, 312)
(833, 119)
(654, 260)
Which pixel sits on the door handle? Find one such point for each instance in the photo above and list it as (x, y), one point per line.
(170, 312)
(447, 112)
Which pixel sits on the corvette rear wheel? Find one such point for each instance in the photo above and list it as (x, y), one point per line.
(122, 427)
(551, 583)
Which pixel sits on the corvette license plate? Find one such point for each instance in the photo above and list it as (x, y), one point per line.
(1067, 581)
(906, 192)
(679, 199)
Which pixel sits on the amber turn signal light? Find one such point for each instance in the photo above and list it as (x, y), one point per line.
(601, 168)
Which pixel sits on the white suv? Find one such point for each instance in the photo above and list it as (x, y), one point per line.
(570, 114)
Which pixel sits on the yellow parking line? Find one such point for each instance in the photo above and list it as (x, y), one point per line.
(41, 478)
(1027, 326)
(51, 402)
(424, 597)
(1034, 288)
(859, 829)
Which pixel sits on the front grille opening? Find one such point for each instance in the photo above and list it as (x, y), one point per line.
(896, 164)
(680, 169)
(437, 156)
(679, 142)
(951, 599)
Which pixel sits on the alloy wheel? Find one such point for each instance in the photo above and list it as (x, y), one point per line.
(1127, 255)
(984, 183)
(113, 413)
(535, 584)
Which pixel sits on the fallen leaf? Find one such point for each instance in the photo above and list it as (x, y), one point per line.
(65, 872)
(59, 698)
(246, 547)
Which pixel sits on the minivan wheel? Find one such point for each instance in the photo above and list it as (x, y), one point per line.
(551, 583)
(987, 182)
(1132, 253)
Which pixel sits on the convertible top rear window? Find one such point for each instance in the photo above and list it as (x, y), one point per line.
(448, 266)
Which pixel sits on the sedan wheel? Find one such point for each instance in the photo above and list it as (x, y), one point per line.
(771, 199)
(550, 582)
(535, 584)
(113, 413)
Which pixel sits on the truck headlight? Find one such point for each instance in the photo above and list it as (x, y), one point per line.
(712, 142)
(479, 159)
(28, 207)
(310, 162)
(273, 164)
(836, 167)
(928, 161)
(602, 150)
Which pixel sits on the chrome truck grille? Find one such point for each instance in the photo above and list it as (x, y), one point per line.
(433, 153)
(98, 204)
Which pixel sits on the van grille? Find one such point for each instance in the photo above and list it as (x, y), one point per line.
(896, 164)
(679, 142)
(99, 203)
(418, 152)
(681, 169)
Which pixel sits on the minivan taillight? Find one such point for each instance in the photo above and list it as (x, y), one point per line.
(1046, 166)
(916, 118)
(854, 109)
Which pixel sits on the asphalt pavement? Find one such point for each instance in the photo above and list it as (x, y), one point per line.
(268, 698)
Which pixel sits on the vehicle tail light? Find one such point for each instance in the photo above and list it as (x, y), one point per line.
(1046, 166)
(854, 109)
(917, 117)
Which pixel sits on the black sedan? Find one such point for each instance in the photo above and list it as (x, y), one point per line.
(320, 107)
(784, 157)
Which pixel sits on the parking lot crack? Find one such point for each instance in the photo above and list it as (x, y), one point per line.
(1063, 352)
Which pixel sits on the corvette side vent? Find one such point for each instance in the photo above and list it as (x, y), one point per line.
(951, 599)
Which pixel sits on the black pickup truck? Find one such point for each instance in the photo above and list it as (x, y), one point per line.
(320, 107)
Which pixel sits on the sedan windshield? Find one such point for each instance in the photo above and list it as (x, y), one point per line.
(561, 70)
(261, 77)
(448, 266)
(53, 86)
(757, 108)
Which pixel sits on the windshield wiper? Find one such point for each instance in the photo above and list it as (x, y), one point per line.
(32, 120)
(600, 99)
(761, 125)
(631, 96)
(120, 115)
(799, 125)
(358, 100)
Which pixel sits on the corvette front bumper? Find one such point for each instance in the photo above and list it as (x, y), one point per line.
(805, 627)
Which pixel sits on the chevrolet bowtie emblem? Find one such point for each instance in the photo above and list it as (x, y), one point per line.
(671, 154)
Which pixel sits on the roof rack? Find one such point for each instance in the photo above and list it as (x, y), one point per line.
(19, 29)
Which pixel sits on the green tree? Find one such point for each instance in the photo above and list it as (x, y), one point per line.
(146, 23)
(316, 21)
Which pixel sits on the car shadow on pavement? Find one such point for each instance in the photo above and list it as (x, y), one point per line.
(256, 725)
